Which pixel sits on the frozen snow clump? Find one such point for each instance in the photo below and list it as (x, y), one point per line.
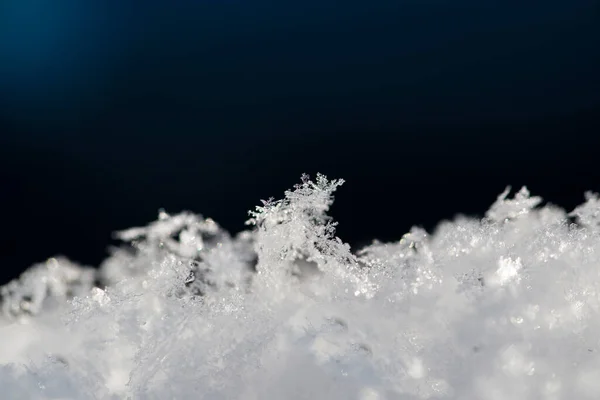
(504, 307)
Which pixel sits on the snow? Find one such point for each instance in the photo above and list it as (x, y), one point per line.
(504, 307)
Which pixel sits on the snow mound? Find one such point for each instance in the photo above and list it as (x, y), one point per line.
(504, 307)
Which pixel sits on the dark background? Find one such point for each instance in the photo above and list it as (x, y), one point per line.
(111, 110)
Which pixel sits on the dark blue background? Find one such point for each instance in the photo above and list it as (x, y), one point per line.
(110, 110)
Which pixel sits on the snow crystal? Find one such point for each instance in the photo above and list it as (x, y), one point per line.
(504, 307)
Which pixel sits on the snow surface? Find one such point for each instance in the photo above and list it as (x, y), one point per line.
(506, 307)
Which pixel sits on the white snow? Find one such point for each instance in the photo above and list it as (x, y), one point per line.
(504, 307)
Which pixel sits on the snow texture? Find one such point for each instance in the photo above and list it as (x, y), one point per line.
(504, 307)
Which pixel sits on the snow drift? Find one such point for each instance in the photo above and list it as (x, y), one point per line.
(506, 307)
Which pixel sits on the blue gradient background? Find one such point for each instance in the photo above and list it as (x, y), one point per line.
(110, 110)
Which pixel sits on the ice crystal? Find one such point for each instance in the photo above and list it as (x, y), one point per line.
(506, 307)
(45, 285)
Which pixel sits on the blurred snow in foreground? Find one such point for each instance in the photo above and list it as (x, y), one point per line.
(507, 307)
